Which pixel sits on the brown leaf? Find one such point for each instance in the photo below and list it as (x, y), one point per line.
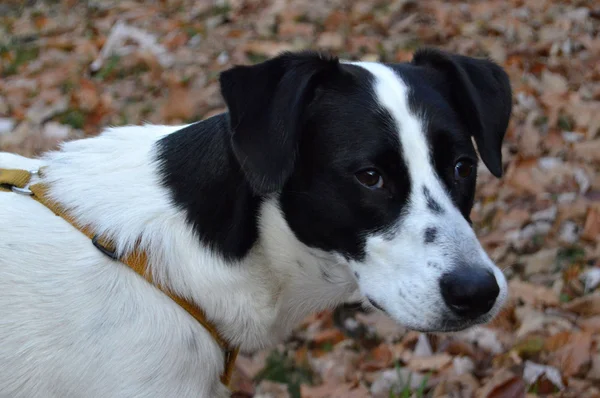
(587, 305)
(87, 95)
(464, 385)
(542, 261)
(504, 384)
(529, 137)
(380, 358)
(532, 294)
(523, 181)
(557, 341)
(588, 150)
(434, 362)
(554, 83)
(332, 390)
(332, 336)
(330, 40)
(291, 29)
(181, 103)
(266, 48)
(591, 228)
(591, 324)
(594, 373)
(545, 377)
(573, 356)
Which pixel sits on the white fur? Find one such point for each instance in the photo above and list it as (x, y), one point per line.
(396, 272)
(63, 303)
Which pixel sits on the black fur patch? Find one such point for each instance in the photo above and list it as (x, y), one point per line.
(431, 203)
(303, 125)
(430, 235)
(199, 169)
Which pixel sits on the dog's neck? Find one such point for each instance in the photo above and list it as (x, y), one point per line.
(176, 192)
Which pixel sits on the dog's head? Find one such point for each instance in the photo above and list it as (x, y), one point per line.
(375, 162)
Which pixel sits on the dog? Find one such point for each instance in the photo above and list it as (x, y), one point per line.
(324, 180)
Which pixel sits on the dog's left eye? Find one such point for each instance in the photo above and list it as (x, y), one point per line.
(463, 169)
(370, 179)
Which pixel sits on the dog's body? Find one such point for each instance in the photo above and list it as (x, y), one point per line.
(260, 216)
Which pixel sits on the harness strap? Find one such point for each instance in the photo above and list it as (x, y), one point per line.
(18, 181)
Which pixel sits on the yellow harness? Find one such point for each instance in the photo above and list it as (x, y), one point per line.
(17, 181)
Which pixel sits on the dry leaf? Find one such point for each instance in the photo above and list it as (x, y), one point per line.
(591, 324)
(532, 294)
(588, 150)
(504, 384)
(435, 362)
(586, 305)
(181, 103)
(534, 371)
(573, 356)
(332, 390)
(591, 228)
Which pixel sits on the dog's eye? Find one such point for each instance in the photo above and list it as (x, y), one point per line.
(370, 179)
(463, 169)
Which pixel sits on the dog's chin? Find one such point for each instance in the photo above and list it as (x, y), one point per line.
(446, 324)
(450, 326)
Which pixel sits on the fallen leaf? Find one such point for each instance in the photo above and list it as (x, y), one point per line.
(574, 355)
(591, 324)
(434, 362)
(87, 96)
(557, 341)
(541, 261)
(380, 358)
(181, 103)
(332, 336)
(554, 83)
(591, 228)
(464, 385)
(588, 151)
(504, 384)
(330, 40)
(586, 305)
(532, 294)
(533, 371)
(594, 373)
(267, 48)
(331, 390)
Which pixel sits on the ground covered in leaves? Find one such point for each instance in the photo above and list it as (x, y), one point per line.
(69, 68)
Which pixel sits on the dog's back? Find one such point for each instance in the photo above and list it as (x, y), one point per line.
(75, 324)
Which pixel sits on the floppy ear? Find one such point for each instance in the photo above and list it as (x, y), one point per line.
(482, 95)
(266, 103)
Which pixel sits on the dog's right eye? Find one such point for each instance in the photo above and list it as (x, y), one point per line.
(370, 178)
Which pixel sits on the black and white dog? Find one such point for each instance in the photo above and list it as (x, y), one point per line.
(325, 179)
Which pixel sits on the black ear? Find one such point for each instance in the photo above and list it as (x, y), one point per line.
(266, 103)
(481, 92)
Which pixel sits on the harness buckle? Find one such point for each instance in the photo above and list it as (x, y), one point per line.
(25, 190)
(104, 250)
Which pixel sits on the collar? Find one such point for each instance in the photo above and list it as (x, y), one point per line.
(18, 181)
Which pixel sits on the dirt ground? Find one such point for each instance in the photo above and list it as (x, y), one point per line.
(69, 68)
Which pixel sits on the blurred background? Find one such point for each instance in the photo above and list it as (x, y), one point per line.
(70, 68)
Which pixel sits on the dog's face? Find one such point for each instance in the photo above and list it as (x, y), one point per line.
(376, 164)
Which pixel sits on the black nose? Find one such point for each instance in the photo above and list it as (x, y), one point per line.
(469, 291)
